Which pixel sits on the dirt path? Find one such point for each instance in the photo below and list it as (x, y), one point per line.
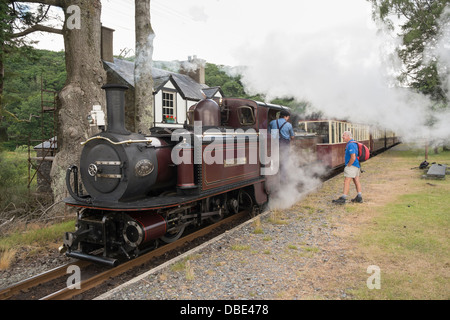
(386, 177)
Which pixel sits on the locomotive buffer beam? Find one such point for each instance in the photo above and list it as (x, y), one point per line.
(97, 259)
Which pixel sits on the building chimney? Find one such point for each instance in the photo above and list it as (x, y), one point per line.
(194, 68)
(107, 44)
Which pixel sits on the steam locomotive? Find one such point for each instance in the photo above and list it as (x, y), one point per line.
(140, 190)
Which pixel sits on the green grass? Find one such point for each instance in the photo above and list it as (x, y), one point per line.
(418, 223)
(14, 178)
(409, 240)
(37, 237)
(240, 247)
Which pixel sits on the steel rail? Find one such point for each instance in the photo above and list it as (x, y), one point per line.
(87, 284)
(44, 277)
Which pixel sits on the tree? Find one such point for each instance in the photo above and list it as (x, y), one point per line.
(85, 76)
(420, 27)
(15, 20)
(22, 93)
(143, 81)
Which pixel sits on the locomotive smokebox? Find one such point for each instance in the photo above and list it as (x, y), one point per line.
(115, 108)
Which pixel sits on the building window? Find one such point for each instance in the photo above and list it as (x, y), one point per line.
(168, 105)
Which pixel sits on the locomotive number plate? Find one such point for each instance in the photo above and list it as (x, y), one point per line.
(144, 168)
(234, 162)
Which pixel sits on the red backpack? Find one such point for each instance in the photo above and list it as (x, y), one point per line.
(363, 151)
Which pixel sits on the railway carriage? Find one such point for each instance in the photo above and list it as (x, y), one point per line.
(381, 139)
(330, 149)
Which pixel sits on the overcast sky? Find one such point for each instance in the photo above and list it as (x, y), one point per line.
(327, 52)
(219, 30)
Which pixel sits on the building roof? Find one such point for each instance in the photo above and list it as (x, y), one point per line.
(186, 86)
(210, 92)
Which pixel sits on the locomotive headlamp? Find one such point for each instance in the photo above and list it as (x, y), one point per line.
(144, 168)
(96, 117)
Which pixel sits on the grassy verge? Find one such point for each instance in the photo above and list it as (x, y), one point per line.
(35, 240)
(14, 179)
(407, 238)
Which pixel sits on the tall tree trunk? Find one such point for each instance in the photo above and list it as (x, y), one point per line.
(3, 132)
(85, 77)
(143, 81)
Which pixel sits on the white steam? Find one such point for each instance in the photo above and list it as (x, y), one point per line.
(348, 73)
(296, 183)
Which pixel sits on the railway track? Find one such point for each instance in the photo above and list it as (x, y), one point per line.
(24, 290)
(36, 288)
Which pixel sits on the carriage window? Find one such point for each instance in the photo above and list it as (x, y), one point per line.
(340, 132)
(246, 116)
(333, 132)
(319, 128)
(303, 126)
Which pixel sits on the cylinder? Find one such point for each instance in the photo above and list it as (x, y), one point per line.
(143, 227)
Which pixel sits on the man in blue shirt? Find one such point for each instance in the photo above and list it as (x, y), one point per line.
(284, 131)
(352, 169)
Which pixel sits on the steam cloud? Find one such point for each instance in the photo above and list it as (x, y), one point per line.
(346, 73)
(295, 185)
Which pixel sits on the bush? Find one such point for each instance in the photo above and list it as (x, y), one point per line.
(13, 178)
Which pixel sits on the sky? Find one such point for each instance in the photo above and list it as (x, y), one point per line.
(219, 30)
(327, 52)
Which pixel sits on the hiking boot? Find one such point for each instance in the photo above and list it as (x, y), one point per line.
(341, 200)
(358, 199)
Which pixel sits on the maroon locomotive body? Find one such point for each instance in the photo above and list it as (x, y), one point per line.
(144, 189)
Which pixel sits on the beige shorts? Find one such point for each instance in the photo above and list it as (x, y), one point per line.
(351, 172)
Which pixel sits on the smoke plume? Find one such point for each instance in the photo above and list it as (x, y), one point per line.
(348, 72)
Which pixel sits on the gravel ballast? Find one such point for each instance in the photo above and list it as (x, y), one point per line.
(269, 257)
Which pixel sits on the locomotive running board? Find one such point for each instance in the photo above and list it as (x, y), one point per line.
(153, 203)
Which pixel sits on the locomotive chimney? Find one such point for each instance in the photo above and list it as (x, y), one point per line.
(115, 108)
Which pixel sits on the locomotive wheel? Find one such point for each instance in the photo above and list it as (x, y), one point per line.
(174, 235)
(216, 218)
(245, 200)
(256, 210)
